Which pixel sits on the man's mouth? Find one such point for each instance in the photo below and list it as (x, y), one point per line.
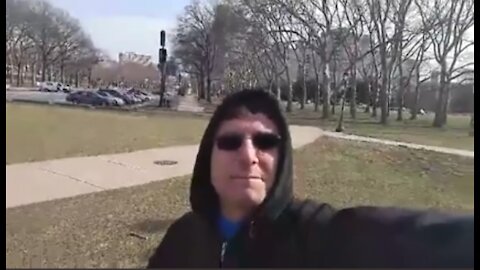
(246, 177)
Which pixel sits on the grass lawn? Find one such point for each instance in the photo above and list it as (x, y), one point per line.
(94, 230)
(39, 132)
(454, 135)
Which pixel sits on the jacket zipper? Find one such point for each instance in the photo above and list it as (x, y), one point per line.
(251, 229)
(222, 253)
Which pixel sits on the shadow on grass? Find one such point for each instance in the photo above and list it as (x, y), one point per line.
(152, 225)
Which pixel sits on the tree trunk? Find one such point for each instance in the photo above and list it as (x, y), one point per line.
(89, 77)
(416, 95)
(438, 120)
(304, 87)
(384, 100)
(76, 79)
(201, 86)
(340, 119)
(44, 67)
(369, 96)
(19, 74)
(401, 87)
(375, 100)
(326, 91)
(303, 100)
(317, 82)
(209, 88)
(353, 96)
(289, 97)
(446, 103)
(10, 70)
(332, 104)
(279, 89)
(34, 72)
(23, 74)
(289, 91)
(414, 108)
(62, 69)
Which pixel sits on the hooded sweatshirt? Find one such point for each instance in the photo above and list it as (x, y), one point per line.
(285, 232)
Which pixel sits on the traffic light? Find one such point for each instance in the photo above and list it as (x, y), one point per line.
(162, 55)
(162, 38)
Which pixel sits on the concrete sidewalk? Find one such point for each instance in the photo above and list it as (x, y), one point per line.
(445, 150)
(54, 179)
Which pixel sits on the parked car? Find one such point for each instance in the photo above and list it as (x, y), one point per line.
(88, 97)
(66, 88)
(114, 100)
(48, 87)
(136, 99)
(116, 93)
(144, 96)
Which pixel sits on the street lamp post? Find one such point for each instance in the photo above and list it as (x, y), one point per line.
(344, 94)
(162, 59)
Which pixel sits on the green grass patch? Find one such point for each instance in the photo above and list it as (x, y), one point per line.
(455, 134)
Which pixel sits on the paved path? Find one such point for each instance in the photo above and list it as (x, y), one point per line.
(452, 151)
(54, 179)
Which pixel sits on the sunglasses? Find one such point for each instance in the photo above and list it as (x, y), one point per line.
(262, 141)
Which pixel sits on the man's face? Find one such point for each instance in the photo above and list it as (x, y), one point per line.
(244, 160)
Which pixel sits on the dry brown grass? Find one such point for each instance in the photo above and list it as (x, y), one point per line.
(37, 132)
(93, 230)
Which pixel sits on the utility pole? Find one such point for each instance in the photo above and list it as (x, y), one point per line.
(162, 59)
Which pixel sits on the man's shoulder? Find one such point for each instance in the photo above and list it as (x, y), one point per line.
(307, 211)
(188, 221)
(399, 219)
(391, 236)
(383, 236)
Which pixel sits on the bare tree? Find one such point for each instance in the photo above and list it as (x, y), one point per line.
(353, 11)
(447, 23)
(195, 44)
(416, 72)
(401, 9)
(40, 34)
(18, 45)
(277, 24)
(380, 12)
(319, 21)
(204, 42)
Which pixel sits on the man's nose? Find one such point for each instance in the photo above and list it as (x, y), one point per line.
(248, 153)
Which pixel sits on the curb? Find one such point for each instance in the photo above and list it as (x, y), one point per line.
(68, 104)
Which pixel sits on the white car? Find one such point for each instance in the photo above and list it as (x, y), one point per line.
(66, 88)
(48, 87)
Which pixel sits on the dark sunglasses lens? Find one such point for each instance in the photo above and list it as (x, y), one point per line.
(266, 141)
(229, 142)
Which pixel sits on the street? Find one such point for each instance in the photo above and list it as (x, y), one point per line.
(43, 97)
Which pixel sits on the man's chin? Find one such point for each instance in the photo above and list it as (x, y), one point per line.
(251, 198)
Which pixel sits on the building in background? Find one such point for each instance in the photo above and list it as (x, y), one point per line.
(131, 57)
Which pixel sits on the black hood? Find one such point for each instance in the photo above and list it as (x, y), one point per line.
(203, 197)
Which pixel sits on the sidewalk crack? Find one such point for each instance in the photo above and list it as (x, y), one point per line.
(72, 178)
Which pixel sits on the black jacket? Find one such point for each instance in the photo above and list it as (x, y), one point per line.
(285, 232)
